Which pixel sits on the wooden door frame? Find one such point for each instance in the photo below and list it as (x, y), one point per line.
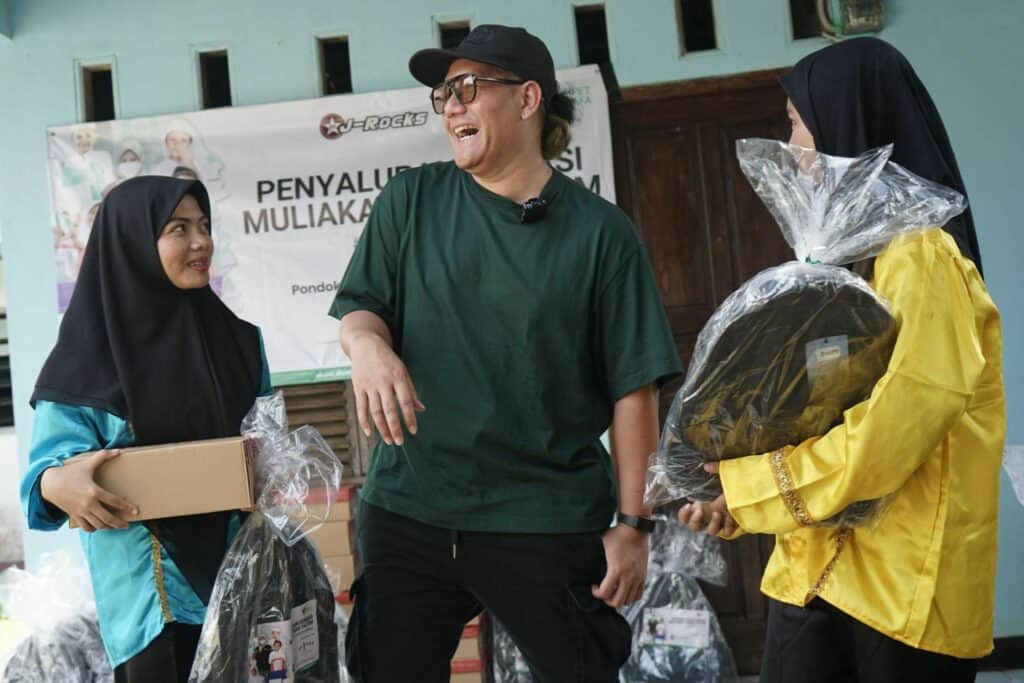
(712, 85)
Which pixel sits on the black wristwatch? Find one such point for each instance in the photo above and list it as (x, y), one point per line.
(639, 523)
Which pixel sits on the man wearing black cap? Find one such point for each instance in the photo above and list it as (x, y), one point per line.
(520, 308)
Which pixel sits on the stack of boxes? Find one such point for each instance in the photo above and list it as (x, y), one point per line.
(335, 540)
(467, 664)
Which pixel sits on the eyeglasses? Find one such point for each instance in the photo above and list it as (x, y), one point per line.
(464, 88)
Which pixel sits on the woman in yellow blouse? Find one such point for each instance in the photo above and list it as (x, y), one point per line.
(909, 598)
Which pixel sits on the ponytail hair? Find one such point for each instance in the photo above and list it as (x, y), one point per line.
(557, 131)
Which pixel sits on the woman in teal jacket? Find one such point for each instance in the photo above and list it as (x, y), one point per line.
(146, 354)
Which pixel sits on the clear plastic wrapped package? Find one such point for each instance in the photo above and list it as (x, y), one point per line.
(341, 624)
(272, 611)
(508, 663)
(675, 548)
(55, 605)
(1013, 463)
(12, 549)
(785, 354)
(676, 635)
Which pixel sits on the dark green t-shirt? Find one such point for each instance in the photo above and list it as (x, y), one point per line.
(519, 338)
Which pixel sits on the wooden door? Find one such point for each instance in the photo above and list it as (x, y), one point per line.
(705, 232)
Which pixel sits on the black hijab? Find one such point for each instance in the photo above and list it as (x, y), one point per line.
(862, 93)
(176, 364)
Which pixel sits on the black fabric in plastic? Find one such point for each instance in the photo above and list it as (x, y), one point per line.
(70, 652)
(753, 392)
(261, 582)
(676, 549)
(658, 660)
(341, 624)
(508, 663)
(788, 352)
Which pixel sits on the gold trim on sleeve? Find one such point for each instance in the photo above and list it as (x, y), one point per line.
(784, 480)
(158, 574)
(841, 538)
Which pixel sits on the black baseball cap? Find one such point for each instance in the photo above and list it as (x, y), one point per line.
(506, 47)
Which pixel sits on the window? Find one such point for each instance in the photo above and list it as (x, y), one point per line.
(592, 35)
(216, 82)
(804, 16)
(98, 93)
(453, 33)
(335, 66)
(697, 25)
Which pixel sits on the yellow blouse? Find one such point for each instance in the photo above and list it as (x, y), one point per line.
(930, 439)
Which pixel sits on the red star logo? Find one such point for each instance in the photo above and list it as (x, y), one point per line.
(331, 125)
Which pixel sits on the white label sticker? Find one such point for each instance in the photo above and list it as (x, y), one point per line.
(305, 636)
(679, 627)
(826, 355)
(829, 354)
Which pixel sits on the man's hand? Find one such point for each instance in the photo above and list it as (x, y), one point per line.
(382, 386)
(715, 515)
(625, 551)
(73, 489)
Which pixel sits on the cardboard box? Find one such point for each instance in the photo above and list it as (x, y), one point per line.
(343, 507)
(341, 570)
(344, 601)
(333, 538)
(469, 648)
(467, 671)
(189, 478)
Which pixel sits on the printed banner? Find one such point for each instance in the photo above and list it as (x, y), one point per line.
(292, 185)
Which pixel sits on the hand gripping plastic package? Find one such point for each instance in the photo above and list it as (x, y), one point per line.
(796, 345)
(272, 611)
(55, 606)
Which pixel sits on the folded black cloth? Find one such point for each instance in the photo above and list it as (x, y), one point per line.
(779, 362)
(272, 610)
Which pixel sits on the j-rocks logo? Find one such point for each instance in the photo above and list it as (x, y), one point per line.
(334, 126)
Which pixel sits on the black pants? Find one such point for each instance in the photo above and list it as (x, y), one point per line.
(168, 659)
(820, 644)
(420, 585)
